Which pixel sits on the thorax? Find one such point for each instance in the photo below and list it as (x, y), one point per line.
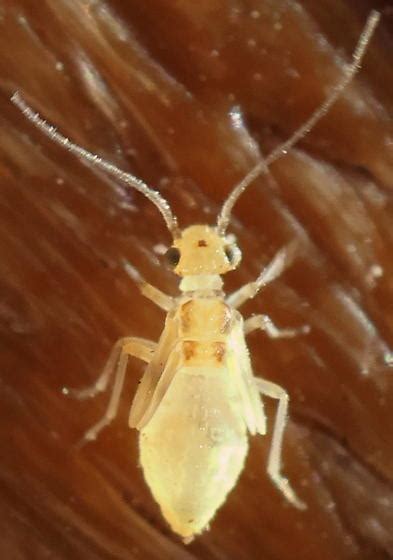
(203, 325)
(203, 318)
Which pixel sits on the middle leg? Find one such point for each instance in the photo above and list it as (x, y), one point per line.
(116, 365)
(138, 347)
(264, 323)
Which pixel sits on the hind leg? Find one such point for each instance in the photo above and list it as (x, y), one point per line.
(274, 391)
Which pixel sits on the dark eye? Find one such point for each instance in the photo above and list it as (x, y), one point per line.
(173, 256)
(229, 254)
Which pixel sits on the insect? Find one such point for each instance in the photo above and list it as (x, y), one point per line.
(199, 399)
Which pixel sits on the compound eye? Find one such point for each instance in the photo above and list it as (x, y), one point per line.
(230, 254)
(173, 256)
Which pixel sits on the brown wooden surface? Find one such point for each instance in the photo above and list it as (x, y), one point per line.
(187, 95)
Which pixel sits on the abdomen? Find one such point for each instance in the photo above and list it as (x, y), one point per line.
(193, 449)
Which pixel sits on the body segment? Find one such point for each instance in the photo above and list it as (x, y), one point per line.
(194, 448)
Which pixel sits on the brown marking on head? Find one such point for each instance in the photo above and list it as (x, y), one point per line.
(212, 260)
(219, 351)
(189, 349)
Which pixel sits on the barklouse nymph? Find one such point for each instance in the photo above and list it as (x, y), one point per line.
(198, 398)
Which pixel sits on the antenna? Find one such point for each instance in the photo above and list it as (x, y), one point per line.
(110, 168)
(282, 149)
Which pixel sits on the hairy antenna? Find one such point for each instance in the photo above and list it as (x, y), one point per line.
(262, 166)
(110, 168)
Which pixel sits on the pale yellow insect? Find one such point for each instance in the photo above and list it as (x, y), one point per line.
(198, 398)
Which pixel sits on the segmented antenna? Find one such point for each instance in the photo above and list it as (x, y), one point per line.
(262, 166)
(110, 168)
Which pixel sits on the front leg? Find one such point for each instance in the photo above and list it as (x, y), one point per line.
(154, 294)
(274, 461)
(264, 323)
(116, 365)
(280, 262)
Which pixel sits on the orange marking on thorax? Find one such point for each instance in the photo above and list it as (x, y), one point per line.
(203, 354)
(204, 318)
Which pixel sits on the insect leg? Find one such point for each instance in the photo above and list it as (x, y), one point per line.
(264, 323)
(272, 271)
(137, 347)
(154, 294)
(274, 461)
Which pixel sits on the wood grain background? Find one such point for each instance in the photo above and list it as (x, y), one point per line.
(188, 95)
